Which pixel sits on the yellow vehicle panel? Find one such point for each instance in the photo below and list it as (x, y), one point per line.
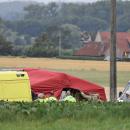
(13, 75)
(14, 86)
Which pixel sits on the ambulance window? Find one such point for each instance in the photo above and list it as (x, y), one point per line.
(18, 75)
(22, 75)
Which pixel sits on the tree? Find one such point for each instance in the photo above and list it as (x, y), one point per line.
(123, 23)
(5, 47)
(70, 36)
(90, 17)
(92, 24)
(43, 47)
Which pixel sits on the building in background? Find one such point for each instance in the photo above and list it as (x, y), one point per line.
(101, 46)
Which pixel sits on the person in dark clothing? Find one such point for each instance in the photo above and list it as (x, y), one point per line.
(34, 96)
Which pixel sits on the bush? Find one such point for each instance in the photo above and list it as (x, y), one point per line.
(67, 52)
(81, 58)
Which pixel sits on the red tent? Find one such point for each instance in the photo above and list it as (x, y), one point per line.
(47, 81)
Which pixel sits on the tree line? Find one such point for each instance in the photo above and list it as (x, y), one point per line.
(43, 25)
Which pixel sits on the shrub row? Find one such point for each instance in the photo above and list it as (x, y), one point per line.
(81, 58)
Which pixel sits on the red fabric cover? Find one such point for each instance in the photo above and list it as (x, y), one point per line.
(47, 81)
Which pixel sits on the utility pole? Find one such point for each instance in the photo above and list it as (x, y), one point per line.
(113, 76)
(60, 48)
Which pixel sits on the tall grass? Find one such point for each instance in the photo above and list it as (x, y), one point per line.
(55, 111)
(65, 116)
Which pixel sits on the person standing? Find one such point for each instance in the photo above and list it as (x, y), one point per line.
(51, 97)
(69, 97)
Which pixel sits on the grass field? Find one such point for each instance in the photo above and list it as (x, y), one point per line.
(53, 63)
(95, 71)
(65, 116)
(80, 116)
(67, 124)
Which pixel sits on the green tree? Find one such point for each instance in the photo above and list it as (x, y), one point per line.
(123, 23)
(90, 17)
(5, 47)
(43, 47)
(70, 36)
(92, 24)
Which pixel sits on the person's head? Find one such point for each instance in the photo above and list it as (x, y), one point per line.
(128, 94)
(68, 93)
(41, 95)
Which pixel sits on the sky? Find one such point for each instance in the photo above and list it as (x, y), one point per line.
(52, 0)
(46, 1)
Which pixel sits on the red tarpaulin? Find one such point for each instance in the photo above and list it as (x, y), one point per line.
(47, 81)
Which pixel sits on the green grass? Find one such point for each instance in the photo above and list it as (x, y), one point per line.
(65, 116)
(100, 77)
(79, 116)
(66, 124)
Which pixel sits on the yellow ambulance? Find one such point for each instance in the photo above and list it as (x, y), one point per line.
(15, 86)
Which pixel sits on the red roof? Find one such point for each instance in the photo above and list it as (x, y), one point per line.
(122, 40)
(47, 81)
(98, 49)
(90, 49)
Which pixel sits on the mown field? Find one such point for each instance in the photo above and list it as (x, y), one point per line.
(95, 71)
(64, 64)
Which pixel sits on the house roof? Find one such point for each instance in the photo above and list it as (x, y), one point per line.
(90, 49)
(122, 40)
(100, 48)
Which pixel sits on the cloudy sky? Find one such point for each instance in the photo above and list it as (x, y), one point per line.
(52, 0)
(46, 1)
